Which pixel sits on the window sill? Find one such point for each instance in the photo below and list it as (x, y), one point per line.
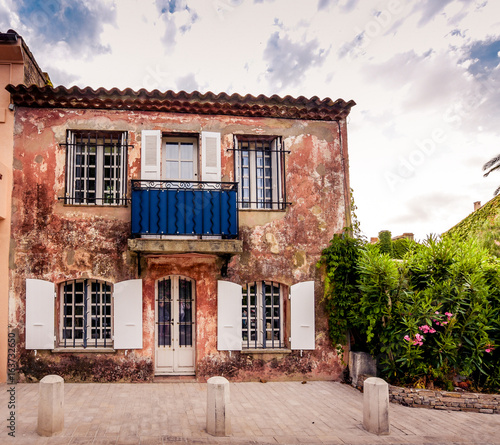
(261, 210)
(283, 351)
(85, 350)
(113, 206)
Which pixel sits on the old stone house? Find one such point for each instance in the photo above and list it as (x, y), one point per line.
(174, 233)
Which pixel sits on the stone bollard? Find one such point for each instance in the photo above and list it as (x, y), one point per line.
(51, 406)
(376, 406)
(218, 419)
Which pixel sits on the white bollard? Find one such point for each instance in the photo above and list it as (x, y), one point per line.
(218, 419)
(376, 406)
(50, 406)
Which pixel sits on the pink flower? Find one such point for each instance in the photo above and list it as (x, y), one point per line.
(417, 341)
(488, 350)
(448, 314)
(437, 312)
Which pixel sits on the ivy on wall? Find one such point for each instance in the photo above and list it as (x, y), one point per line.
(483, 225)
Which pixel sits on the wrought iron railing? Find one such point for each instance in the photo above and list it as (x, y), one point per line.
(184, 208)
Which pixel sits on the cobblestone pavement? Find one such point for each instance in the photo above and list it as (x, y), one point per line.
(261, 413)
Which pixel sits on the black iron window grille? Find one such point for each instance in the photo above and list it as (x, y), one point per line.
(260, 172)
(262, 315)
(86, 319)
(96, 168)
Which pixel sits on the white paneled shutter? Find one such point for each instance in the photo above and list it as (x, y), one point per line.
(128, 315)
(229, 296)
(302, 316)
(40, 297)
(150, 154)
(210, 156)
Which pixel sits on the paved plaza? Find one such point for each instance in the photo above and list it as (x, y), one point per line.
(261, 413)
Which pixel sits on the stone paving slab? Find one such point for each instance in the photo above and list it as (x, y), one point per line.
(261, 413)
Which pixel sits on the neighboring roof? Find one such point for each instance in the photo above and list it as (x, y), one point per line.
(181, 102)
(475, 222)
(11, 38)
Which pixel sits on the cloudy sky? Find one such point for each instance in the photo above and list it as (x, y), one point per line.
(425, 75)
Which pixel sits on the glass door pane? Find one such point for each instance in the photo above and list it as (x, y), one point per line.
(185, 313)
(165, 313)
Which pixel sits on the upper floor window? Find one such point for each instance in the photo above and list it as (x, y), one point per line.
(177, 158)
(180, 159)
(96, 167)
(259, 170)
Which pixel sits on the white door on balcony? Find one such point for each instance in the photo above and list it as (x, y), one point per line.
(180, 159)
(175, 326)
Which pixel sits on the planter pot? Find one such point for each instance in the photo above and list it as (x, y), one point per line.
(361, 363)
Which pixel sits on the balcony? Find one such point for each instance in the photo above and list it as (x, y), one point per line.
(180, 216)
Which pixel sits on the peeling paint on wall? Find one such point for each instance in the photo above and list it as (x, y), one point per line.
(58, 242)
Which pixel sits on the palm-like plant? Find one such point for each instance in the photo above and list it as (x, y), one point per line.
(492, 165)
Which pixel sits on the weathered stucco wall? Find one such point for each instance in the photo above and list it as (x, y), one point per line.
(58, 242)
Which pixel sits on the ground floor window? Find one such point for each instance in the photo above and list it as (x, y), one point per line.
(86, 314)
(262, 315)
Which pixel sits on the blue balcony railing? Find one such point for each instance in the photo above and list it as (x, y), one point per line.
(184, 208)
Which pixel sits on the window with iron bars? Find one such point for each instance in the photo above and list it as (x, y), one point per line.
(259, 167)
(86, 314)
(96, 167)
(262, 315)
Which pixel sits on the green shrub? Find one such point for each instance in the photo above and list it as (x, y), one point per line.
(429, 318)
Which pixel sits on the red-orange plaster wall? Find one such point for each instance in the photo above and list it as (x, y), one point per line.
(55, 242)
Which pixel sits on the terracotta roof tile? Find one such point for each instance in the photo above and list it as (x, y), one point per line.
(180, 102)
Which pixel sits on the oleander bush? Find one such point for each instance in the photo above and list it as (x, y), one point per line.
(431, 318)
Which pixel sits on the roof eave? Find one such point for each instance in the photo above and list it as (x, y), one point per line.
(180, 102)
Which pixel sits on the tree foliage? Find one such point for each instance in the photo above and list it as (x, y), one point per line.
(490, 166)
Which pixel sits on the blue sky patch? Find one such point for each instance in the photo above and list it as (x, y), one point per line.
(72, 22)
(485, 55)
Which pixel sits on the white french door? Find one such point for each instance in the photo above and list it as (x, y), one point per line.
(175, 326)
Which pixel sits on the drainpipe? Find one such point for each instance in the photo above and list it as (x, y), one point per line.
(347, 192)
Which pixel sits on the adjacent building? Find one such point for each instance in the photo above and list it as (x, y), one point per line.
(17, 66)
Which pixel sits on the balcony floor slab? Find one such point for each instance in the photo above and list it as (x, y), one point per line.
(171, 246)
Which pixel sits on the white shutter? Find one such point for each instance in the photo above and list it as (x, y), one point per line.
(128, 315)
(40, 299)
(229, 296)
(150, 154)
(302, 315)
(210, 156)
